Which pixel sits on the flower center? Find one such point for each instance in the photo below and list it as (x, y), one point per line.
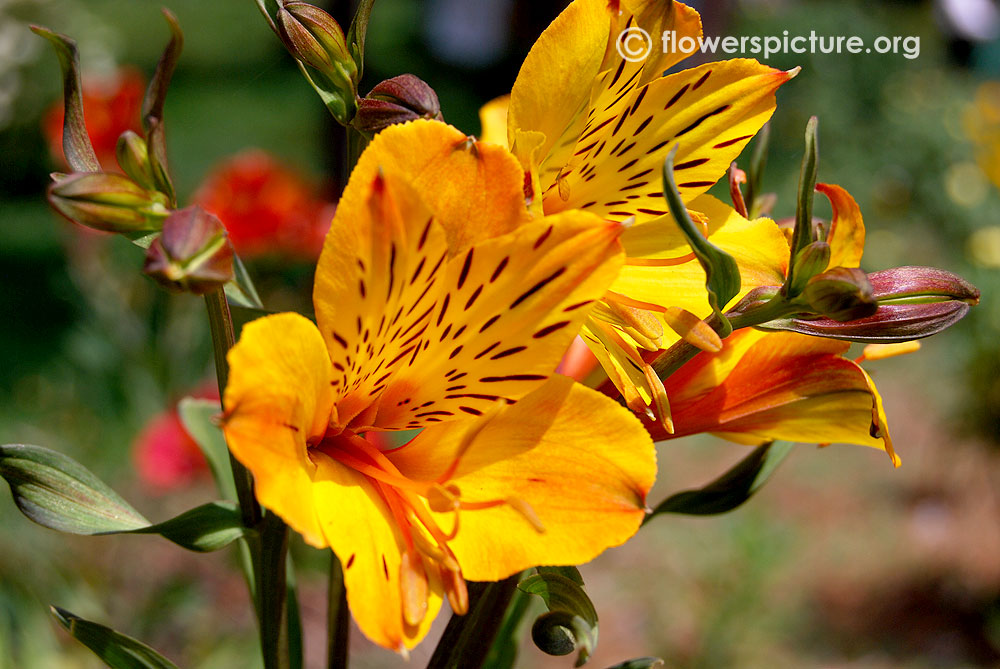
(411, 502)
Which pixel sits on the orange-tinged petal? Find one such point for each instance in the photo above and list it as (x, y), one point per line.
(493, 121)
(474, 189)
(580, 463)
(553, 87)
(712, 111)
(778, 386)
(359, 527)
(278, 398)
(847, 229)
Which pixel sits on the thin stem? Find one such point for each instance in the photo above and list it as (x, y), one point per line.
(220, 322)
(338, 617)
(467, 639)
(272, 593)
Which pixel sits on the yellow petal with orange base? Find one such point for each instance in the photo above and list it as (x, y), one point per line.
(847, 229)
(358, 526)
(778, 386)
(277, 399)
(573, 461)
(417, 337)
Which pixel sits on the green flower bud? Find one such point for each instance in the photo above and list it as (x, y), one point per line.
(133, 157)
(809, 262)
(109, 202)
(316, 40)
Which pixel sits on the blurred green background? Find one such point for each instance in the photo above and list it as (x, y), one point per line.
(839, 562)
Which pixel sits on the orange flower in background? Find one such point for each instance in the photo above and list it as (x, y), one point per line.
(111, 106)
(447, 313)
(268, 208)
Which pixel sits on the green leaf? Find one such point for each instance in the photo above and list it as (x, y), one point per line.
(804, 233)
(731, 489)
(57, 492)
(206, 528)
(115, 649)
(722, 275)
(640, 663)
(241, 291)
(571, 622)
(198, 417)
(755, 175)
(76, 142)
(572, 573)
(357, 32)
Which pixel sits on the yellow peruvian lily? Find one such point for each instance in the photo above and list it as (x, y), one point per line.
(788, 386)
(592, 129)
(785, 386)
(439, 309)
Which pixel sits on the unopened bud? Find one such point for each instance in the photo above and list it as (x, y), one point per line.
(109, 202)
(133, 157)
(193, 254)
(397, 100)
(842, 293)
(890, 324)
(809, 262)
(916, 285)
(315, 39)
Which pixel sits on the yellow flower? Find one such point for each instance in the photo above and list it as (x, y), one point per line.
(784, 385)
(439, 306)
(592, 130)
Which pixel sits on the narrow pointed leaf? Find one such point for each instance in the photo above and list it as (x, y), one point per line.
(198, 416)
(640, 663)
(57, 492)
(203, 529)
(114, 648)
(755, 175)
(76, 142)
(731, 489)
(571, 622)
(156, 94)
(803, 235)
(241, 291)
(357, 32)
(722, 275)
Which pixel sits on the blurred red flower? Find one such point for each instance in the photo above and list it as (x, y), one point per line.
(268, 208)
(165, 455)
(111, 105)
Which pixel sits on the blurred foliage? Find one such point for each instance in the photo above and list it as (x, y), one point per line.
(89, 350)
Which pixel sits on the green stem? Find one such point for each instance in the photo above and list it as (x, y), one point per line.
(467, 639)
(683, 352)
(220, 322)
(272, 594)
(338, 617)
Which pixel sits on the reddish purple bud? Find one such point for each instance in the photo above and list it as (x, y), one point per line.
(920, 285)
(397, 100)
(193, 254)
